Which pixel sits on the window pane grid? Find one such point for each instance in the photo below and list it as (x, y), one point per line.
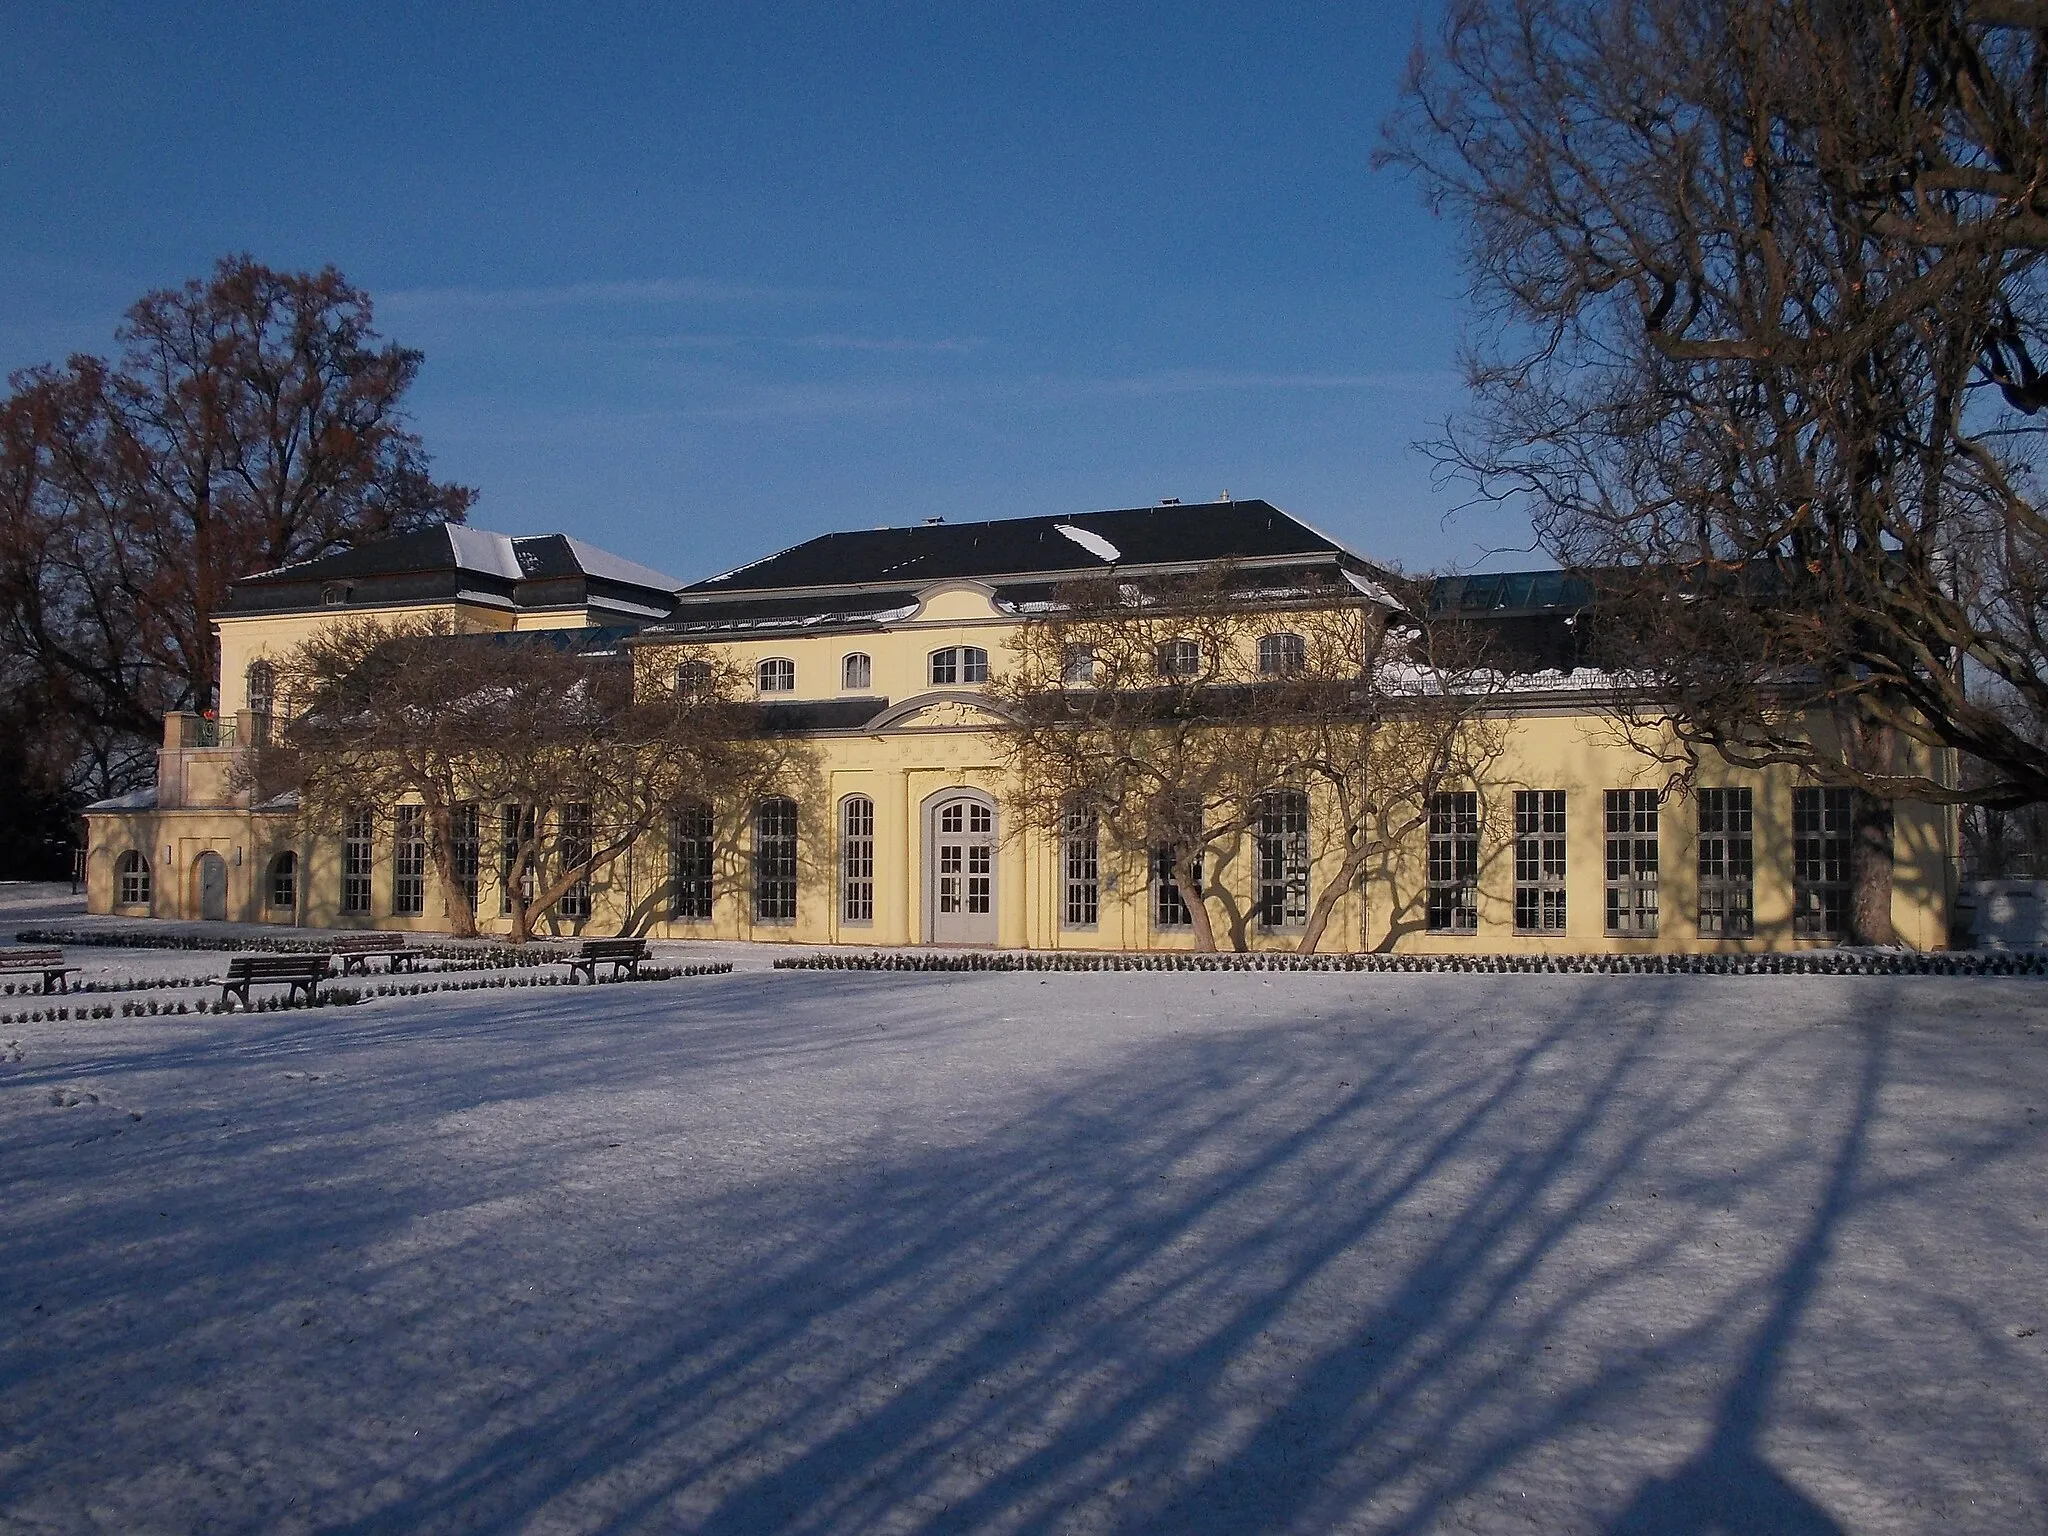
(1821, 832)
(1632, 870)
(1727, 864)
(1454, 862)
(1539, 861)
(356, 829)
(575, 849)
(689, 865)
(857, 860)
(409, 861)
(1081, 856)
(775, 860)
(465, 849)
(134, 872)
(1282, 847)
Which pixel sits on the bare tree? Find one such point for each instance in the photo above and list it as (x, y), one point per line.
(1761, 284)
(252, 419)
(1173, 713)
(575, 757)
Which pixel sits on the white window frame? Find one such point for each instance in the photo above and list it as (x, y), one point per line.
(857, 860)
(779, 668)
(856, 672)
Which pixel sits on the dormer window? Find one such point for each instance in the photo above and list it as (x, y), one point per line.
(1077, 665)
(776, 675)
(959, 664)
(1180, 658)
(336, 594)
(1282, 656)
(856, 672)
(693, 678)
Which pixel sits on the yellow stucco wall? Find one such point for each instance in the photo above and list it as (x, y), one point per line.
(926, 751)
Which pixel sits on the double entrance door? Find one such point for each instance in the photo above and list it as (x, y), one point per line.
(961, 864)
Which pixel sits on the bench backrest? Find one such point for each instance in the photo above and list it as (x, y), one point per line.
(355, 942)
(276, 965)
(22, 958)
(600, 948)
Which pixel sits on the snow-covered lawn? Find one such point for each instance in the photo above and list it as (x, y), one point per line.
(808, 1251)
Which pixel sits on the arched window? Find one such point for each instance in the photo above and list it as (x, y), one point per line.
(776, 675)
(1077, 665)
(856, 672)
(1282, 843)
(260, 683)
(284, 882)
(857, 859)
(775, 860)
(693, 678)
(1282, 655)
(261, 680)
(131, 877)
(690, 864)
(1180, 658)
(1081, 858)
(960, 664)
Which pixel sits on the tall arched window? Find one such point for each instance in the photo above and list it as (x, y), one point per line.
(856, 672)
(857, 859)
(1077, 665)
(690, 864)
(1282, 839)
(284, 882)
(692, 678)
(776, 675)
(775, 860)
(260, 684)
(1081, 861)
(1282, 655)
(959, 664)
(131, 879)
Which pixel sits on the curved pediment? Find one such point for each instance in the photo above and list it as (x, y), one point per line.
(954, 600)
(940, 710)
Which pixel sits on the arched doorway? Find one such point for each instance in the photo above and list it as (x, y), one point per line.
(960, 868)
(213, 887)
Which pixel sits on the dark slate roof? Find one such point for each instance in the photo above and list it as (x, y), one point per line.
(1170, 534)
(819, 715)
(450, 560)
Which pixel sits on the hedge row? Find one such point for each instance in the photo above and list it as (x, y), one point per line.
(1809, 963)
(342, 996)
(476, 957)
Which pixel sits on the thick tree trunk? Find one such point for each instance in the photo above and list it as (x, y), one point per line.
(1870, 873)
(1326, 904)
(1198, 910)
(461, 914)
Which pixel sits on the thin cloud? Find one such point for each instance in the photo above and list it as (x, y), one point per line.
(843, 343)
(659, 290)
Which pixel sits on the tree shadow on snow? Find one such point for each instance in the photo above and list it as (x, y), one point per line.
(1362, 1272)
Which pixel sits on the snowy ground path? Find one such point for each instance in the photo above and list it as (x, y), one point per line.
(815, 1252)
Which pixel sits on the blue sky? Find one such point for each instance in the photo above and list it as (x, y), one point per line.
(699, 282)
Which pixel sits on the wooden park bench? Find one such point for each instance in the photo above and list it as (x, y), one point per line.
(294, 971)
(48, 962)
(620, 954)
(356, 950)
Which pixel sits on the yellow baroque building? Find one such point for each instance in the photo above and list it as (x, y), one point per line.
(875, 648)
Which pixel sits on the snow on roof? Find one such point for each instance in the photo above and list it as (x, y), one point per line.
(1094, 543)
(1367, 587)
(134, 800)
(479, 549)
(605, 564)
